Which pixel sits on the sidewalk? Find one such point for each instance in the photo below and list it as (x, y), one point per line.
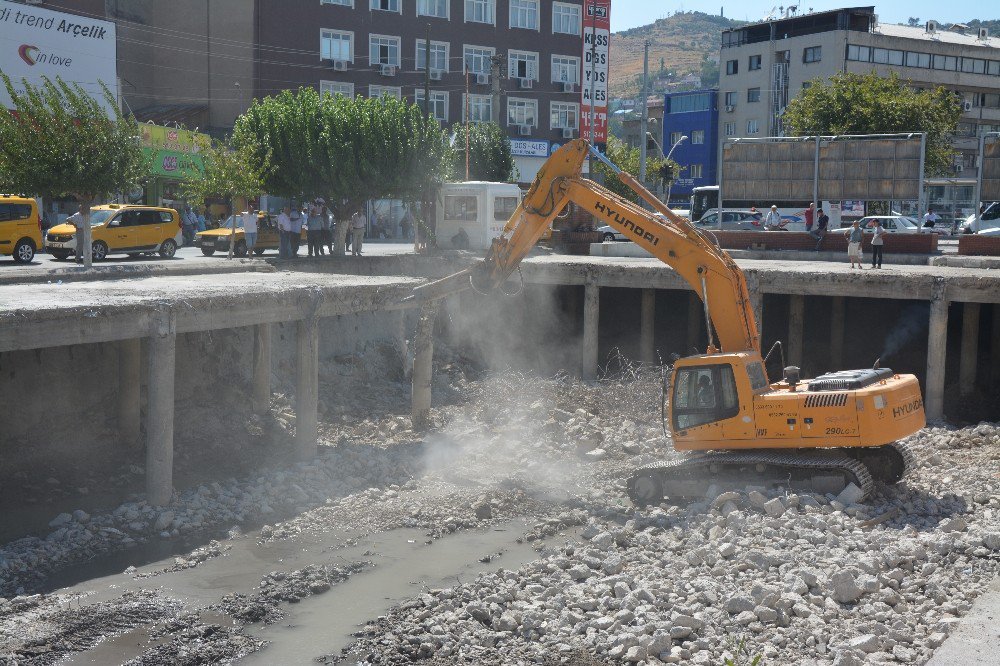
(977, 640)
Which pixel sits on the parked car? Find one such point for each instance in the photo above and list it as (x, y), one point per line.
(609, 233)
(121, 229)
(217, 240)
(990, 219)
(893, 224)
(20, 228)
(732, 220)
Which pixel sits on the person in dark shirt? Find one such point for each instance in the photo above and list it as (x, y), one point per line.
(819, 233)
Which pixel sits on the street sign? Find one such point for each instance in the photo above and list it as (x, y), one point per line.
(529, 148)
(596, 42)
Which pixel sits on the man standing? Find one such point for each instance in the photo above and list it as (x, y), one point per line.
(820, 233)
(189, 222)
(357, 233)
(810, 216)
(877, 242)
(250, 230)
(314, 230)
(285, 233)
(76, 219)
(297, 219)
(854, 245)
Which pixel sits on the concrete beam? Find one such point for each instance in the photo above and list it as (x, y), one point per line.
(796, 322)
(591, 320)
(423, 368)
(307, 388)
(970, 348)
(647, 324)
(129, 427)
(937, 353)
(261, 367)
(837, 316)
(160, 412)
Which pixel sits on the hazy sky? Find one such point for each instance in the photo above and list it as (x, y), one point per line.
(631, 13)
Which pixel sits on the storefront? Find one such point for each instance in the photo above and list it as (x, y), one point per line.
(175, 155)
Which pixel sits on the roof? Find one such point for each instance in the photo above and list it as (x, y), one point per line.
(940, 35)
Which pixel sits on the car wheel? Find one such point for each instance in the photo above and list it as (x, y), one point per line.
(168, 248)
(609, 237)
(61, 255)
(99, 251)
(258, 251)
(208, 251)
(24, 251)
(241, 248)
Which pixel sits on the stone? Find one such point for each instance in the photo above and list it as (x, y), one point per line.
(739, 604)
(866, 643)
(774, 508)
(580, 572)
(757, 499)
(746, 617)
(956, 524)
(727, 550)
(765, 614)
(604, 541)
(850, 495)
(844, 587)
(483, 510)
(81, 516)
(730, 496)
(635, 654)
(163, 520)
(847, 658)
(613, 565)
(595, 455)
(60, 520)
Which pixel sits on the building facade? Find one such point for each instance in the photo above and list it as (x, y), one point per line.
(693, 114)
(765, 65)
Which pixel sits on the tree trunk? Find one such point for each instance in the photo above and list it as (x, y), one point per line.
(232, 232)
(84, 241)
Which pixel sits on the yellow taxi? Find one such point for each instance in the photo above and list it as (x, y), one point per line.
(20, 228)
(121, 229)
(217, 240)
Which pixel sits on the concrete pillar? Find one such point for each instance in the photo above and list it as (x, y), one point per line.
(261, 367)
(838, 314)
(160, 412)
(591, 318)
(970, 348)
(307, 387)
(128, 391)
(423, 368)
(995, 346)
(937, 352)
(696, 315)
(647, 320)
(756, 302)
(796, 320)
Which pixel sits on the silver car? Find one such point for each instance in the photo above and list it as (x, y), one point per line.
(732, 220)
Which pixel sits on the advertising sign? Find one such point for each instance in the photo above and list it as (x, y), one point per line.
(37, 42)
(175, 152)
(596, 40)
(526, 148)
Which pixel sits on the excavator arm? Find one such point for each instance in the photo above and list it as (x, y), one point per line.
(711, 272)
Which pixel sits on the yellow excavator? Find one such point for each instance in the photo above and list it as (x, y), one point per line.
(813, 435)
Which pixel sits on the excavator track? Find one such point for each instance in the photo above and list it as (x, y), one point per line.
(816, 470)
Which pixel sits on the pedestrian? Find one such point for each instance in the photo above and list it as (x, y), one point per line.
(285, 233)
(357, 233)
(810, 215)
(820, 232)
(250, 230)
(406, 224)
(930, 219)
(189, 222)
(854, 245)
(878, 239)
(202, 221)
(295, 234)
(773, 219)
(76, 219)
(314, 230)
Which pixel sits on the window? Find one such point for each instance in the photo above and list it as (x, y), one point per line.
(522, 65)
(812, 54)
(383, 50)
(703, 395)
(565, 18)
(385, 91)
(753, 127)
(387, 5)
(887, 56)
(565, 69)
(460, 208)
(753, 95)
(675, 137)
(697, 136)
(859, 53)
(993, 67)
(524, 14)
(687, 103)
(346, 3)
(438, 8)
(439, 55)
(336, 88)
(480, 108)
(730, 98)
(730, 129)
(806, 85)
(564, 115)
(522, 112)
(438, 105)
(480, 11)
(336, 45)
(753, 63)
(477, 59)
(12, 211)
(758, 380)
(694, 171)
(732, 67)
(947, 63)
(918, 59)
(973, 65)
(504, 207)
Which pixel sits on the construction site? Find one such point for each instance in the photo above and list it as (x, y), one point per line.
(532, 459)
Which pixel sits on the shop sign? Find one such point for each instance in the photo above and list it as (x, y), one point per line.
(527, 148)
(172, 164)
(157, 137)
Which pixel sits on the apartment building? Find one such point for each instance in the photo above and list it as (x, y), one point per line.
(765, 65)
(693, 114)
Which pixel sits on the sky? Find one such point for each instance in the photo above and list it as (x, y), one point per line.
(627, 14)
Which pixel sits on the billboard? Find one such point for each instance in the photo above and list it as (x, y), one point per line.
(990, 189)
(175, 153)
(596, 40)
(37, 42)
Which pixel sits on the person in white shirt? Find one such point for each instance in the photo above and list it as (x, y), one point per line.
(250, 230)
(773, 219)
(297, 217)
(357, 233)
(285, 233)
(930, 219)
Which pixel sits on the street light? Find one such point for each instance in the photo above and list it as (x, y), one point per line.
(679, 141)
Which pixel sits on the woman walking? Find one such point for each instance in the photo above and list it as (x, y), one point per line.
(877, 242)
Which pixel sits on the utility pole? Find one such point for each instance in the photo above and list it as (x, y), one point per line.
(644, 122)
(495, 62)
(593, 91)
(427, 70)
(466, 121)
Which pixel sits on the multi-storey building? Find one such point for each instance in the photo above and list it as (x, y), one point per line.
(693, 114)
(764, 65)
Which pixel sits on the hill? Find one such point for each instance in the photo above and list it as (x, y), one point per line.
(679, 42)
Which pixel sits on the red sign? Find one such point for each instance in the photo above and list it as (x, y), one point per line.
(594, 88)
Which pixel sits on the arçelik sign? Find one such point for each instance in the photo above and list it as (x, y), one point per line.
(36, 42)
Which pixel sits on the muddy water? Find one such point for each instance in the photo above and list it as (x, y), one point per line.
(405, 564)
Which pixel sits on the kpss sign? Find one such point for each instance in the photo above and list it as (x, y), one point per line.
(594, 91)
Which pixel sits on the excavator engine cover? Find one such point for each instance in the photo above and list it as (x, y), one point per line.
(849, 380)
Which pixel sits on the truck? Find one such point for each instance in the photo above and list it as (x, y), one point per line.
(471, 214)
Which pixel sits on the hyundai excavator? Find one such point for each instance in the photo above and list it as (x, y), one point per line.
(740, 428)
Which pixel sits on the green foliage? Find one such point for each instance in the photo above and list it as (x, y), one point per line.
(709, 72)
(490, 157)
(229, 172)
(627, 159)
(60, 141)
(872, 104)
(742, 655)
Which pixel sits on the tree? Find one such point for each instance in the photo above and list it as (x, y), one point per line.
(627, 159)
(60, 141)
(229, 172)
(490, 156)
(872, 104)
(709, 72)
(913, 21)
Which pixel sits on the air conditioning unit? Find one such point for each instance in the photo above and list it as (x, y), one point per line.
(526, 83)
(567, 133)
(966, 106)
(525, 130)
(984, 33)
(340, 65)
(436, 74)
(483, 79)
(387, 70)
(569, 87)
(730, 108)
(931, 26)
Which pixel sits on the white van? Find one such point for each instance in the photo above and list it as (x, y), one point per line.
(471, 214)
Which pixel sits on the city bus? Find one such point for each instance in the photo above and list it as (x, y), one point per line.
(706, 198)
